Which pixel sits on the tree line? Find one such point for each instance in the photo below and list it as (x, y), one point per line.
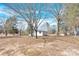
(66, 16)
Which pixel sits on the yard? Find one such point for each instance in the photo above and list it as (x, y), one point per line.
(43, 46)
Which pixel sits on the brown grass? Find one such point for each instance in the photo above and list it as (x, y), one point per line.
(43, 46)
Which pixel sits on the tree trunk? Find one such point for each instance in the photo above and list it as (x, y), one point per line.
(32, 30)
(36, 34)
(6, 33)
(58, 28)
(31, 34)
(20, 32)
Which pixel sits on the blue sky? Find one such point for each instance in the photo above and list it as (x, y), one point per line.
(4, 15)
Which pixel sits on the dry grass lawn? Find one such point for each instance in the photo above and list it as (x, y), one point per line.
(44, 46)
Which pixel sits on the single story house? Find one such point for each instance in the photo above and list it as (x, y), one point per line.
(39, 33)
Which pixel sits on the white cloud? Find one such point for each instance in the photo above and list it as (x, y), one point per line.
(22, 25)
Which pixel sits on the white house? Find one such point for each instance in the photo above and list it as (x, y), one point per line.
(42, 29)
(40, 33)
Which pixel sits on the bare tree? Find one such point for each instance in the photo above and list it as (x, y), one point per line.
(30, 13)
(57, 13)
